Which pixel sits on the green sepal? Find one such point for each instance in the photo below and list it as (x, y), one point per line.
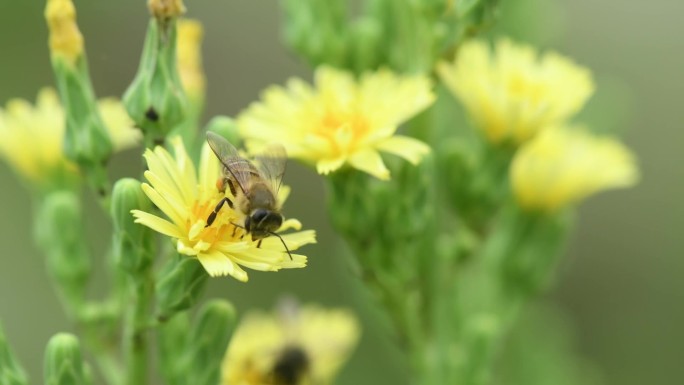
(64, 362)
(133, 243)
(11, 372)
(59, 232)
(180, 286)
(155, 99)
(172, 336)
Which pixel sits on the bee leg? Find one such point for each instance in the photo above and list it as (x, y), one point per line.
(212, 216)
(259, 243)
(231, 186)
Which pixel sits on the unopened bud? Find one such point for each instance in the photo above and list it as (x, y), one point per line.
(63, 361)
(132, 242)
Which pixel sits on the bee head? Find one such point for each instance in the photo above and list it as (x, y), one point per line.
(261, 223)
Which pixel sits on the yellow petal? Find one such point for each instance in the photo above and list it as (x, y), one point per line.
(217, 264)
(157, 224)
(370, 162)
(408, 148)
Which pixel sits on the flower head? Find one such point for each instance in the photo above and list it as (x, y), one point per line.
(512, 93)
(66, 40)
(299, 346)
(164, 9)
(187, 199)
(341, 120)
(32, 137)
(564, 165)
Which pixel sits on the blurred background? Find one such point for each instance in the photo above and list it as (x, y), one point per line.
(618, 303)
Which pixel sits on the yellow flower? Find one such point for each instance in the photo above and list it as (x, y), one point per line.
(190, 58)
(564, 165)
(297, 347)
(513, 92)
(31, 138)
(341, 120)
(174, 187)
(65, 38)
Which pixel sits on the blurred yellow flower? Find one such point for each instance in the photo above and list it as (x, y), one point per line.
(341, 120)
(164, 9)
(31, 137)
(190, 58)
(564, 165)
(296, 347)
(512, 93)
(66, 40)
(174, 187)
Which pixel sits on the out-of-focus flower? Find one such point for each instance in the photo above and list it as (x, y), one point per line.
(174, 187)
(190, 58)
(32, 137)
(341, 120)
(512, 93)
(297, 347)
(66, 40)
(564, 165)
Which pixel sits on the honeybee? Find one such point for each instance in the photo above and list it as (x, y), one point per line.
(255, 189)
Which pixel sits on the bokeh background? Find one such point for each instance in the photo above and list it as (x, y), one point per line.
(619, 296)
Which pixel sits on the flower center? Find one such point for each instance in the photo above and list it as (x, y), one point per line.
(223, 227)
(344, 131)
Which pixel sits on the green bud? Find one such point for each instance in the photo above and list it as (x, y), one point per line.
(180, 287)
(11, 373)
(155, 100)
(87, 140)
(225, 127)
(207, 343)
(59, 231)
(133, 244)
(63, 361)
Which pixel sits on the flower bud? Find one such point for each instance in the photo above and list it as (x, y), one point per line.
(132, 242)
(59, 230)
(87, 140)
(165, 9)
(63, 361)
(155, 100)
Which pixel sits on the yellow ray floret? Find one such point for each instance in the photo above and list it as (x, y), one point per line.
(512, 92)
(303, 346)
(187, 198)
(192, 77)
(564, 165)
(341, 120)
(66, 40)
(31, 137)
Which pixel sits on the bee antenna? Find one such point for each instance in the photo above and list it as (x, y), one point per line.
(281, 240)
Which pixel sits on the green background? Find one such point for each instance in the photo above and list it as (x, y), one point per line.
(620, 290)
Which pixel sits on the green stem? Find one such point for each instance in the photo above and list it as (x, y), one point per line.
(137, 323)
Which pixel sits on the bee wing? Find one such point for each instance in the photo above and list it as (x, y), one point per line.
(271, 163)
(240, 169)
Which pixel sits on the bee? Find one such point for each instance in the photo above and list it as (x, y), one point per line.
(254, 188)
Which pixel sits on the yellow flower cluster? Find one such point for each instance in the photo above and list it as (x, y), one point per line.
(566, 164)
(340, 121)
(512, 93)
(187, 199)
(32, 136)
(299, 347)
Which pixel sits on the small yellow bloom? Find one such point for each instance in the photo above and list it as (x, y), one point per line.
(32, 138)
(164, 9)
(174, 187)
(65, 38)
(340, 121)
(296, 347)
(190, 58)
(564, 165)
(513, 92)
